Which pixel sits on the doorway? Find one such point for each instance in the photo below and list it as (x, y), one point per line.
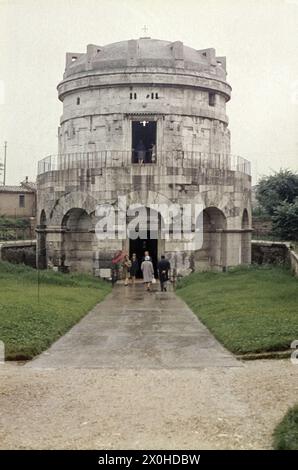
(139, 246)
(143, 141)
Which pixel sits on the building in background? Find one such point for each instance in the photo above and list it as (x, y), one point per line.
(145, 119)
(18, 201)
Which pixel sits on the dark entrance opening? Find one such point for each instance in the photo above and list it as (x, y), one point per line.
(144, 141)
(139, 246)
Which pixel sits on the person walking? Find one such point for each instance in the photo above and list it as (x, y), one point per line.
(148, 272)
(146, 254)
(163, 268)
(126, 265)
(134, 268)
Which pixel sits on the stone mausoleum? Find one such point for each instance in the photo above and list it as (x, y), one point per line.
(145, 119)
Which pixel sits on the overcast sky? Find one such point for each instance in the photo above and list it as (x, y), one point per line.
(258, 37)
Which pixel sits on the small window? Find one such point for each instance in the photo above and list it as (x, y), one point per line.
(74, 57)
(152, 96)
(78, 100)
(212, 97)
(130, 96)
(156, 96)
(22, 200)
(135, 96)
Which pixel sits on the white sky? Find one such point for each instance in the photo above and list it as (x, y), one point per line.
(258, 37)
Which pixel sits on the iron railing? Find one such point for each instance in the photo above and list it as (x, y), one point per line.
(119, 158)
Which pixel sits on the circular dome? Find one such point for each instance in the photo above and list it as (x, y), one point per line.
(146, 53)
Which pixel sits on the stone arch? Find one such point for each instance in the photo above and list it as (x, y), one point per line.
(76, 219)
(224, 202)
(213, 252)
(41, 253)
(245, 238)
(74, 199)
(77, 239)
(245, 219)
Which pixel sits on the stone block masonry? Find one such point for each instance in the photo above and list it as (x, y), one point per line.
(145, 119)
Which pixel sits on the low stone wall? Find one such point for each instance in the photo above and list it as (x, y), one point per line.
(268, 252)
(19, 252)
(294, 262)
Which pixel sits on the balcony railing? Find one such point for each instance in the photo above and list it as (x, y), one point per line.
(118, 158)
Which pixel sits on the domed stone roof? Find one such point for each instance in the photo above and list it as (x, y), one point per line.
(146, 54)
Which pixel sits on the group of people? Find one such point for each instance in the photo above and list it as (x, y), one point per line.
(130, 268)
(145, 155)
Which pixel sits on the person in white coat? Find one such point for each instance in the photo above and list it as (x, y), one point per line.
(148, 272)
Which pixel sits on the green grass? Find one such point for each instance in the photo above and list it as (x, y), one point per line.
(249, 310)
(285, 436)
(27, 327)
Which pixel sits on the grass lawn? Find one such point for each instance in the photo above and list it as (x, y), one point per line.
(27, 326)
(253, 309)
(286, 433)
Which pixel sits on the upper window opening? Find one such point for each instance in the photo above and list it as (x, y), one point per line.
(212, 97)
(74, 57)
(78, 100)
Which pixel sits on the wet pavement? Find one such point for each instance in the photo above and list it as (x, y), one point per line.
(132, 328)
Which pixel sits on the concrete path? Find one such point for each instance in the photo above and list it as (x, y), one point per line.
(141, 372)
(136, 329)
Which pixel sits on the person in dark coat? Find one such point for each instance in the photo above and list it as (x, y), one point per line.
(163, 269)
(134, 267)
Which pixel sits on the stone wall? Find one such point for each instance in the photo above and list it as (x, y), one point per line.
(225, 195)
(104, 117)
(269, 252)
(19, 252)
(184, 90)
(293, 262)
(264, 252)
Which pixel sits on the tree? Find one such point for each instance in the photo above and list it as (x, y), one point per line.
(274, 190)
(285, 221)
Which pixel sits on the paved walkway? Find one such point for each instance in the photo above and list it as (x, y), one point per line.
(141, 372)
(136, 329)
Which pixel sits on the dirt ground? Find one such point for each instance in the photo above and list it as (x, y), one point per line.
(202, 408)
